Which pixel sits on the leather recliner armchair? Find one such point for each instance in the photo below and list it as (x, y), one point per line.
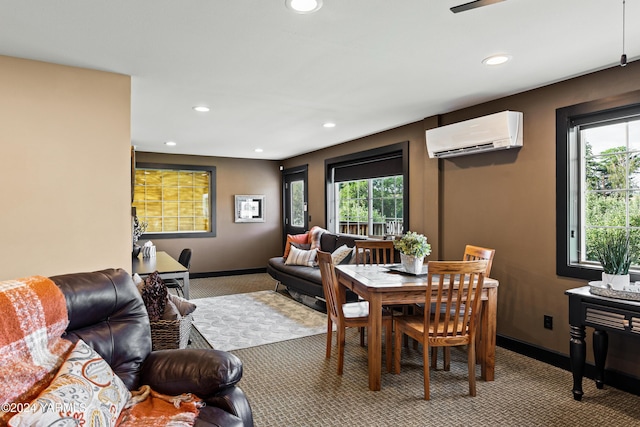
(107, 312)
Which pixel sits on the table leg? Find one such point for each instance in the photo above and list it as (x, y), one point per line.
(577, 355)
(488, 323)
(374, 342)
(600, 347)
(185, 288)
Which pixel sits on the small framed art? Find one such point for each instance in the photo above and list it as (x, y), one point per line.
(249, 208)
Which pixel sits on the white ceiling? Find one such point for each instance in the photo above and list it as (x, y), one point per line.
(273, 77)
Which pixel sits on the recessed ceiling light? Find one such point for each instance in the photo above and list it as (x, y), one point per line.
(170, 143)
(496, 59)
(258, 150)
(201, 108)
(303, 6)
(329, 125)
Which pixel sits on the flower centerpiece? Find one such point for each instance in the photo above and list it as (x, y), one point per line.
(139, 227)
(413, 247)
(612, 250)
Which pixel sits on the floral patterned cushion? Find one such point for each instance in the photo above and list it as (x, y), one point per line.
(154, 294)
(85, 391)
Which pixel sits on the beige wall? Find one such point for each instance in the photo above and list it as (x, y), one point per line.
(513, 198)
(64, 169)
(237, 246)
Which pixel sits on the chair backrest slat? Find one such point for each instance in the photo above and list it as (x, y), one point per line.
(473, 253)
(329, 285)
(374, 251)
(458, 291)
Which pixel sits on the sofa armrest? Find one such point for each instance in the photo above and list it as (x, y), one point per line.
(198, 371)
(232, 403)
(210, 416)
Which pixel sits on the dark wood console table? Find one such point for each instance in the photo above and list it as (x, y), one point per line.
(604, 315)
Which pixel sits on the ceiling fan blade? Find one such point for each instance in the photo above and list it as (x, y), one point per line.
(473, 5)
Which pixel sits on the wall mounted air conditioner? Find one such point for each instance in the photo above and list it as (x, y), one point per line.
(497, 131)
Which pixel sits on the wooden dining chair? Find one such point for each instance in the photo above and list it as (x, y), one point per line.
(347, 315)
(456, 315)
(374, 252)
(471, 253)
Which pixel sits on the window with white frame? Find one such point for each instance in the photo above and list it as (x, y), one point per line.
(598, 182)
(371, 206)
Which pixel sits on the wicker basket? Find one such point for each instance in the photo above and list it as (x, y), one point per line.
(171, 334)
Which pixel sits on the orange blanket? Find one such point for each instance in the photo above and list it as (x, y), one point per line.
(148, 408)
(33, 317)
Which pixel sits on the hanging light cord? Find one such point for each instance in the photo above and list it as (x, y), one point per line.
(623, 58)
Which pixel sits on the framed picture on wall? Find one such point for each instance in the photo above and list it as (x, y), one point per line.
(249, 208)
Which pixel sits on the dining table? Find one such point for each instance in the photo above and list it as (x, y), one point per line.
(383, 285)
(166, 266)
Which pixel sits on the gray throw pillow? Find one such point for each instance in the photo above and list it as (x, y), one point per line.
(184, 306)
(303, 246)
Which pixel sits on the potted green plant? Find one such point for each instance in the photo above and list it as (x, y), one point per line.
(413, 247)
(613, 252)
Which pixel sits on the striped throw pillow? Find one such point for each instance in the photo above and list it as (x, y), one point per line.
(301, 257)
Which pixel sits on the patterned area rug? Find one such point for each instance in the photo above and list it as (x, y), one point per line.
(238, 321)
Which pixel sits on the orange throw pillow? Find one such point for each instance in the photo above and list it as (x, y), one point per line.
(296, 238)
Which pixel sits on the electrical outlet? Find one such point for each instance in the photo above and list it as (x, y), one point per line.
(548, 321)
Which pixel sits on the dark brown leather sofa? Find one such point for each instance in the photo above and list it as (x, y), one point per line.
(304, 283)
(107, 312)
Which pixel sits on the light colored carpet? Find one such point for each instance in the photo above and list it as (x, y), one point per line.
(238, 321)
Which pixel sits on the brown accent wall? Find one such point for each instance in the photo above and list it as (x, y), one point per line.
(503, 200)
(64, 169)
(517, 213)
(423, 176)
(237, 246)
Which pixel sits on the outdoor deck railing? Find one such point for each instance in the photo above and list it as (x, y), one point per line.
(393, 227)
